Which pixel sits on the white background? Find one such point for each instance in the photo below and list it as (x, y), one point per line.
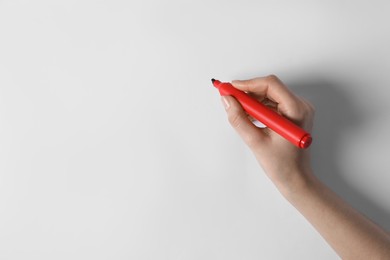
(114, 144)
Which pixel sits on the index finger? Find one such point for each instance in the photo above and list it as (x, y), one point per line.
(272, 88)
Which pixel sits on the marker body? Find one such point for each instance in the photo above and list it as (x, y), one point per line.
(265, 115)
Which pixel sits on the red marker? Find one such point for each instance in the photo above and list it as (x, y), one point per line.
(265, 115)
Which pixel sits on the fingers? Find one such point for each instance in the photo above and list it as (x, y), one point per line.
(239, 120)
(308, 112)
(272, 88)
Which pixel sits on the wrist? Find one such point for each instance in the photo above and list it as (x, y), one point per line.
(299, 184)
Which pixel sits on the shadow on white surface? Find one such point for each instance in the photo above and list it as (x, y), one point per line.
(336, 115)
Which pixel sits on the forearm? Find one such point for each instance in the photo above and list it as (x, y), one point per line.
(348, 232)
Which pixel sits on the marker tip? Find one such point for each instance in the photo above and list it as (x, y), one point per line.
(212, 80)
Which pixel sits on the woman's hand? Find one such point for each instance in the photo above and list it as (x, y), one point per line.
(350, 234)
(285, 164)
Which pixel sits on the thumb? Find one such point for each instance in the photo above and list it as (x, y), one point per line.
(239, 120)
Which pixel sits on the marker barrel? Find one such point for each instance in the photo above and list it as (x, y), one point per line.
(265, 115)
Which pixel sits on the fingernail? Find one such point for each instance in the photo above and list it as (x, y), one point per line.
(225, 102)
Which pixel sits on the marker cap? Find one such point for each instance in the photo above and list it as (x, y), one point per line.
(305, 141)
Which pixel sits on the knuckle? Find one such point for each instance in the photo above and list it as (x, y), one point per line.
(272, 78)
(250, 140)
(234, 119)
(308, 108)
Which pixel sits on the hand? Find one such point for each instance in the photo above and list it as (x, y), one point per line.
(351, 234)
(285, 164)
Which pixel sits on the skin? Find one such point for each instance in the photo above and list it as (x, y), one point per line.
(348, 232)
